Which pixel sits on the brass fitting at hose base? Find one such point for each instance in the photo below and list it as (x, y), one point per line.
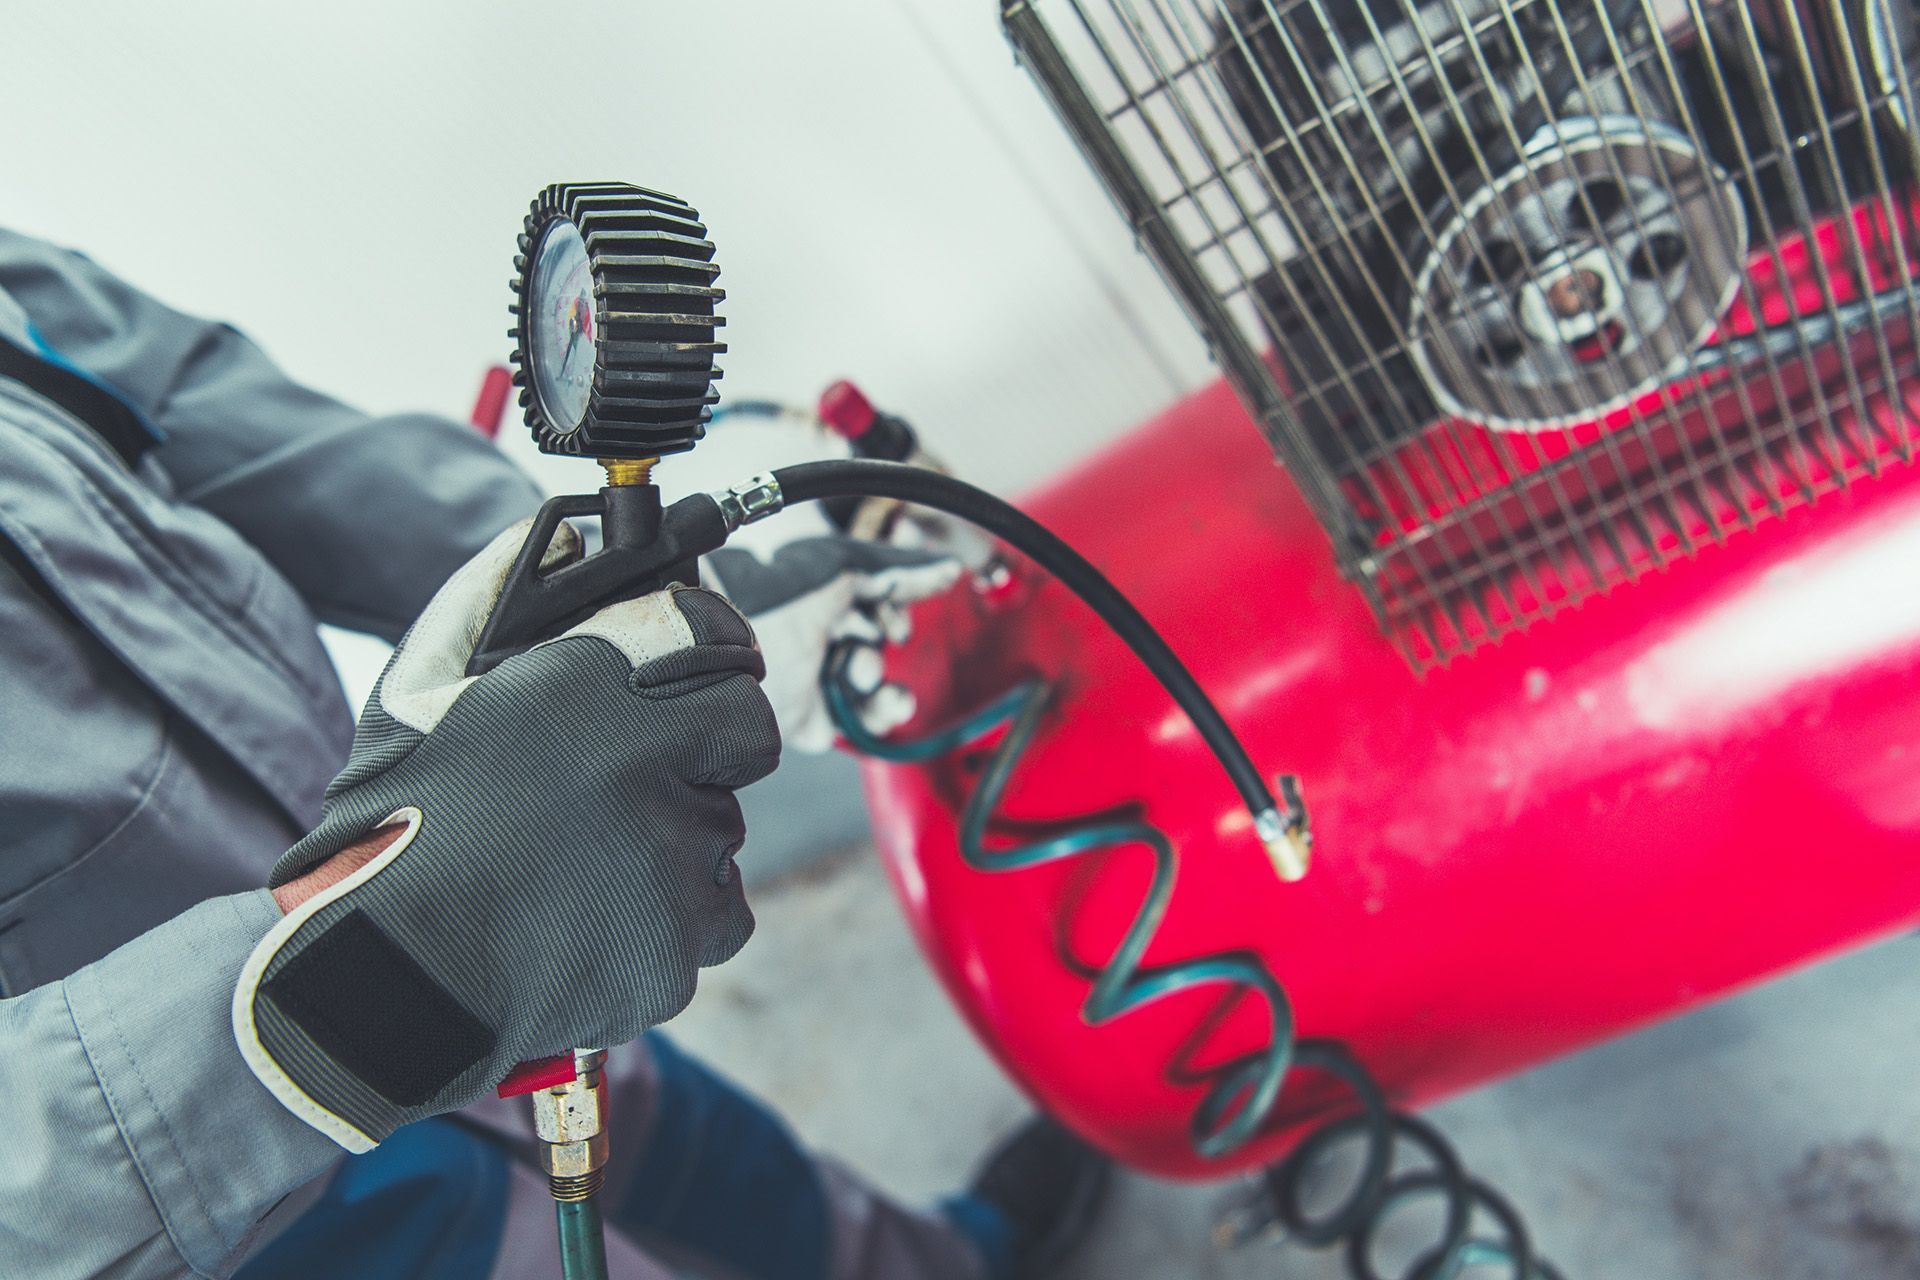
(628, 471)
(571, 1122)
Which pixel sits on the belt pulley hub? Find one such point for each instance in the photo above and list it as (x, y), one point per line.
(1579, 279)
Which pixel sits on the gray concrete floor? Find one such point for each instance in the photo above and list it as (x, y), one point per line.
(1775, 1136)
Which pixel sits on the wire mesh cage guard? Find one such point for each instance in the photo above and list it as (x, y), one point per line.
(1530, 296)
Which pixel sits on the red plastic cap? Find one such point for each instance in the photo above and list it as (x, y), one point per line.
(541, 1073)
(490, 406)
(846, 411)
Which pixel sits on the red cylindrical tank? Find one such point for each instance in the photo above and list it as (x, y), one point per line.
(1682, 786)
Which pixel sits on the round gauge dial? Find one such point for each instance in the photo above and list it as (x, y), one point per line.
(563, 336)
(616, 321)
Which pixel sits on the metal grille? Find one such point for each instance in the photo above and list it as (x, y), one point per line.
(1530, 297)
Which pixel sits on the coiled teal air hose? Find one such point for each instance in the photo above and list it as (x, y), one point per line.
(1239, 1101)
(1221, 1123)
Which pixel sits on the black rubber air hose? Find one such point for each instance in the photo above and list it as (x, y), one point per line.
(862, 478)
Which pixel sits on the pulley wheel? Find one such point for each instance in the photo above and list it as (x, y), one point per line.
(1580, 279)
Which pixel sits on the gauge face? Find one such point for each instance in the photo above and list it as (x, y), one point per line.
(561, 342)
(597, 256)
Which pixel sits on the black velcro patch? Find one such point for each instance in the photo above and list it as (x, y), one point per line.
(368, 1004)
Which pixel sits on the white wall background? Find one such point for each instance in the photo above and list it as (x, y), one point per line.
(891, 198)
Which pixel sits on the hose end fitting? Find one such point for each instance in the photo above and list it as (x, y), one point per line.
(1285, 833)
(570, 1119)
(753, 499)
(574, 1190)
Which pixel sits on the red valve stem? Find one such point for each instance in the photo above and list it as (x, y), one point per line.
(490, 406)
(846, 410)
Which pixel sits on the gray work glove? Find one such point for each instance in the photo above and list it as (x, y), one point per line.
(817, 590)
(566, 864)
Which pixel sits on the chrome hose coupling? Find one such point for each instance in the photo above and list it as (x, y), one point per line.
(571, 1121)
(753, 499)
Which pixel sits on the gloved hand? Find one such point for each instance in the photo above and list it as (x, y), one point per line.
(565, 869)
(815, 591)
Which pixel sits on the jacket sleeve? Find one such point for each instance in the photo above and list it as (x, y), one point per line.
(365, 515)
(138, 1143)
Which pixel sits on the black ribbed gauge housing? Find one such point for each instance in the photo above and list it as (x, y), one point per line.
(655, 322)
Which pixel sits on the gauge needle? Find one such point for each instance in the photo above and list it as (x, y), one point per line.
(572, 342)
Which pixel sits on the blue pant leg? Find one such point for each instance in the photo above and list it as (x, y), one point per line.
(429, 1203)
(721, 1177)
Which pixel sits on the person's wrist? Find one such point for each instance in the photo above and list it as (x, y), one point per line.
(337, 868)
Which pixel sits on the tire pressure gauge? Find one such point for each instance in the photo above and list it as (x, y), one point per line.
(615, 332)
(615, 336)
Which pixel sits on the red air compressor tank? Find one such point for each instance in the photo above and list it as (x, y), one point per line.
(1681, 786)
(1586, 609)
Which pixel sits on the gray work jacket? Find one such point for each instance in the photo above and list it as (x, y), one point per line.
(168, 721)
